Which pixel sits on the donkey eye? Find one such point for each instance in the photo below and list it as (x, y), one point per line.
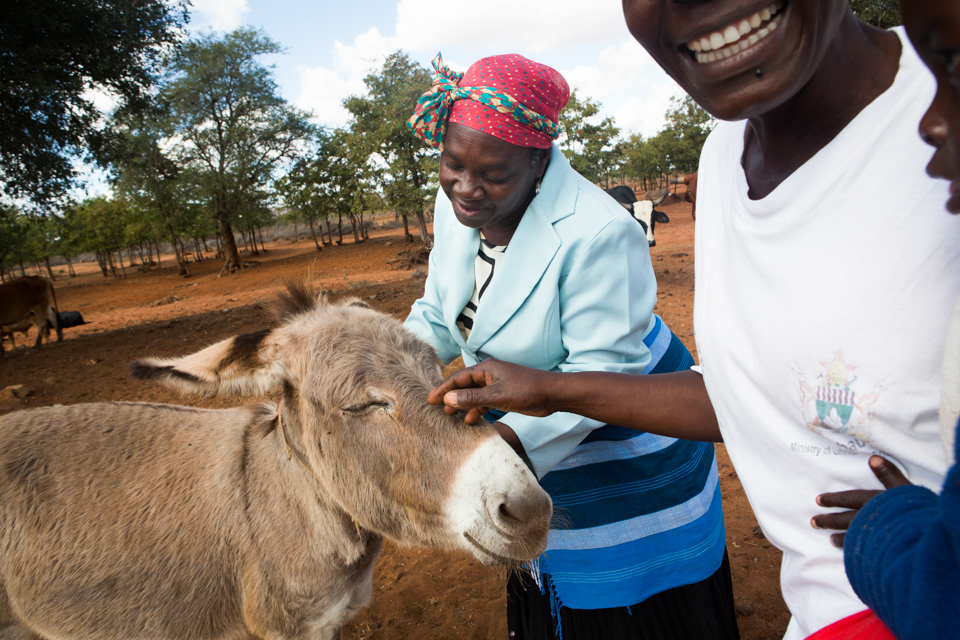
(364, 407)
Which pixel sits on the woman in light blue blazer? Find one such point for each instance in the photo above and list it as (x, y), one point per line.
(535, 265)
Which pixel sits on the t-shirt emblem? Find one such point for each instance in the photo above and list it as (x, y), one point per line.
(835, 402)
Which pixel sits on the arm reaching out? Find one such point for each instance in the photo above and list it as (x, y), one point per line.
(668, 404)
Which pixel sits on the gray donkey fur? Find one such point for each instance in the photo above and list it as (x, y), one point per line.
(125, 521)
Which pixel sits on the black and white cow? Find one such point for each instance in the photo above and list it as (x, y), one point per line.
(642, 210)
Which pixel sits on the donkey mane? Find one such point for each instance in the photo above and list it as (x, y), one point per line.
(295, 298)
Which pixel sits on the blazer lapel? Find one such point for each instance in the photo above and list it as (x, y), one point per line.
(460, 256)
(532, 248)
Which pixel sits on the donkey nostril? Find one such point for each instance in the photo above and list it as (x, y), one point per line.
(506, 515)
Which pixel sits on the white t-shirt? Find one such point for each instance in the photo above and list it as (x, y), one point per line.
(820, 315)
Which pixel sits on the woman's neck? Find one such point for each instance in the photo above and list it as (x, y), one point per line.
(859, 67)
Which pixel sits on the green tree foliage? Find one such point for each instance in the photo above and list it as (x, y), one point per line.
(100, 227)
(688, 126)
(53, 53)
(232, 126)
(879, 13)
(392, 93)
(641, 159)
(674, 149)
(351, 177)
(154, 184)
(591, 147)
(305, 189)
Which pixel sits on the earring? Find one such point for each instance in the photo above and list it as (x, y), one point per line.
(537, 188)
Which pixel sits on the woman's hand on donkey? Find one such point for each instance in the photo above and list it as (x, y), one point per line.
(494, 384)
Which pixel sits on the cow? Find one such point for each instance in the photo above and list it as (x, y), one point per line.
(8, 331)
(125, 521)
(67, 319)
(71, 319)
(25, 296)
(691, 196)
(643, 211)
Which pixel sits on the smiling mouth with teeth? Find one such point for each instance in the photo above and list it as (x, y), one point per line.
(738, 36)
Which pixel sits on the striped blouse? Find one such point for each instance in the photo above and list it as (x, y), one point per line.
(488, 257)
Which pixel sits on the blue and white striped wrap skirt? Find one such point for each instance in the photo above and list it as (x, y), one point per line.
(635, 513)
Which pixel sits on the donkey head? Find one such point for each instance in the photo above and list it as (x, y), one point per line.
(354, 409)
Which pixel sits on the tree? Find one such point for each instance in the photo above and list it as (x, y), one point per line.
(232, 125)
(688, 126)
(151, 181)
(879, 13)
(350, 177)
(54, 53)
(392, 94)
(304, 189)
(590, 147)
(641, 160)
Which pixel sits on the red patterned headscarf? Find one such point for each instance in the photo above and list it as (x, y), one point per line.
(508, 96)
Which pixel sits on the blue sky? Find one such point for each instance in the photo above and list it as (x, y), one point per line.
(332, 45)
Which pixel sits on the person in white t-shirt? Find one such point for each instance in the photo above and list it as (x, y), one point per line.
(823, 289)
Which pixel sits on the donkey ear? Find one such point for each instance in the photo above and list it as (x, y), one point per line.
(243, 365)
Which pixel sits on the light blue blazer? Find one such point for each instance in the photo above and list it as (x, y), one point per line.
(574, 291)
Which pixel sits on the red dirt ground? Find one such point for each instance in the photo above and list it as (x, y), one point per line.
(417, 592)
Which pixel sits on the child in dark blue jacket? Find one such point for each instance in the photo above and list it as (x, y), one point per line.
(902, 548)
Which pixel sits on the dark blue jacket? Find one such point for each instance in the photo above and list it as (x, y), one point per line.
(902, 556)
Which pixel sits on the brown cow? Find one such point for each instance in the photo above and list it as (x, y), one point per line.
(7, 331)
(25, 296)
(691, 196)
(126, 521)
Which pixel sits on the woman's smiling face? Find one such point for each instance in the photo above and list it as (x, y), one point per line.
(489, 181)
(737, 58)
(934, 29)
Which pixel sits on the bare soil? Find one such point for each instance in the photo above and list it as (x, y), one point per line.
(417, 592)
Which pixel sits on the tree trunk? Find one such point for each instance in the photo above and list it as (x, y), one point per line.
(263, 247)
(182, 269)
(231, 255)
(340, 227)
(329, 240)
(356, 232)
(46, 260)
(425, 238)
(314, 234)
(252, 241)
(407, 236)
(102, 263)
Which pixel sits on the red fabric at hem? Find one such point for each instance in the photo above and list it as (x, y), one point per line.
(860, 626)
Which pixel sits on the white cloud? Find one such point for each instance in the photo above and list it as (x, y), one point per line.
(621, 76)
(629, 84)
(492, 25)
(322, 89)
(220, 15)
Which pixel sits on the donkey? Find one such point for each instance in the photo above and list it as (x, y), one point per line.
(132, 520)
